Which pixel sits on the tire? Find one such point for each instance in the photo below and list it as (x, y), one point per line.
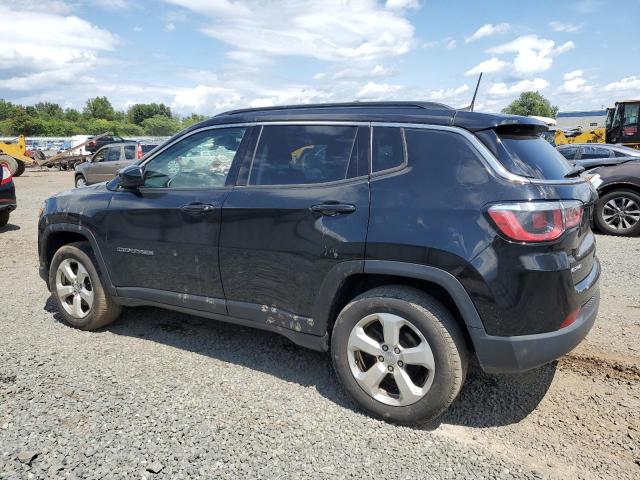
(618, 213)
(81, 181)
(425, 317)
(90, 315)
(21, 168)
(11, 162)
(4, 218)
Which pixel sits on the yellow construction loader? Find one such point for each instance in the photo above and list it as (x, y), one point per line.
(595, 135)
(14, 154)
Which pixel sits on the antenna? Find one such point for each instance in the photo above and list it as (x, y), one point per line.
(473, 100)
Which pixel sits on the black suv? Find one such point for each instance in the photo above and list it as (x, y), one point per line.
(94, 143)
(405, 238)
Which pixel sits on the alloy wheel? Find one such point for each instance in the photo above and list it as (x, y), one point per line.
(74, 288)
(390, 359)
(621, 213)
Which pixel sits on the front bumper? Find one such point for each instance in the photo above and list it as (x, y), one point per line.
(524, 352)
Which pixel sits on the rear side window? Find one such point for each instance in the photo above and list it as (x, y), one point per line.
(589, 153)
(530, 155)
(130, 152)
(389, 149)
(113, 155)
(301, 154)
(569, 153)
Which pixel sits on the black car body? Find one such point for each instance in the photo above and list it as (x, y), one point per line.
(617, 211)
(94, 143)
(322, 205)
(8, 201)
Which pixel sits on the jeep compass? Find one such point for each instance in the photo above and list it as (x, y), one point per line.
(404, 238)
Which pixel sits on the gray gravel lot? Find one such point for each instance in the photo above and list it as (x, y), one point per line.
(164, 395)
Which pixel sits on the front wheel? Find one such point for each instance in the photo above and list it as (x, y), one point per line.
(77, 290)
(618, 213)
(21, 168)
(399, 353)
(81, 181)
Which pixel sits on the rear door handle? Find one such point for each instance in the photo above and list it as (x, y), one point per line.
(197, 208)
(333, 209)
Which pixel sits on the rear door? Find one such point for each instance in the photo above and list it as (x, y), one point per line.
(301, 208)
(112, 163)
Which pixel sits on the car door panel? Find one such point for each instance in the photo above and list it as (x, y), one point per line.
(278, 243)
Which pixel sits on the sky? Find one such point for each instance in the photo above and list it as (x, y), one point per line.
(207, 56)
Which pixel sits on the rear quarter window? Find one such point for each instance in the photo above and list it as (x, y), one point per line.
(524, 152)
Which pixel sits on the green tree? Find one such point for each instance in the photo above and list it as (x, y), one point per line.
(22, 123)
(192, 120)
(72, 115)
(7, 109)
(99, 107)
(159, 125)
(139, 112)
(49, 109)
(531, 103)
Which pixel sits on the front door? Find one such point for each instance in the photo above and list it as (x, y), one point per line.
(301, 209)
(163, 237)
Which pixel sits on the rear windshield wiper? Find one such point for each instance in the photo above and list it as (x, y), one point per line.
(575, 171)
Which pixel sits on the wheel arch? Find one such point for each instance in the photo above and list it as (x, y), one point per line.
(57, 235)
(611, 187)
(349, 281)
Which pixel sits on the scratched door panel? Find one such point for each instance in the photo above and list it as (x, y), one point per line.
(275, 251)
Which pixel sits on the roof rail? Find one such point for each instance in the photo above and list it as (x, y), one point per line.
(424, 105)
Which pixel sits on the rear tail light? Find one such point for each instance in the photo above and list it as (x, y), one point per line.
(139, 153)
(6, 174)
(629, 131)
(536, 221)
(572, 317)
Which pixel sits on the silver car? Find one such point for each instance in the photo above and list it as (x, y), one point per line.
(105, 162)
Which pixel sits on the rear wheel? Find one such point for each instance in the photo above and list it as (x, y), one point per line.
(399, 353)
(4, 218)
(21, 168)
(77, 289)
(618, 213)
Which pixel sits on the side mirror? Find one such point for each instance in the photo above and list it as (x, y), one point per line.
(131, 177)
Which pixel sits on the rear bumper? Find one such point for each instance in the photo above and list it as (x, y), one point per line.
(7, 206)
(524, 352)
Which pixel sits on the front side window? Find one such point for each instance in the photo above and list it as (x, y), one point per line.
(388, 148)
(305, 154)
(631, 114)
(198, 161)
(99, 156)
(113, 155)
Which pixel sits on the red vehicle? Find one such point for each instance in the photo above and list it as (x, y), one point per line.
(7, 194)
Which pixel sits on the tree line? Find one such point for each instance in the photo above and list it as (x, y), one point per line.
(98, 116)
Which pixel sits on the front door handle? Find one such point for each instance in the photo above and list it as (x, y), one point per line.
(197, 208)
(333, 209)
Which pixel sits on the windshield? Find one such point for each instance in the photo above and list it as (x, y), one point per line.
(631, 114)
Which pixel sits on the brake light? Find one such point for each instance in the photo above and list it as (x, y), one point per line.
(6, 174)
(536, 221)
(629, 131)
(139, 150)
(572, 317)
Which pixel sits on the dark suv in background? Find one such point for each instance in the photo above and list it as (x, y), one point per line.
(94, 143)
(405, 238)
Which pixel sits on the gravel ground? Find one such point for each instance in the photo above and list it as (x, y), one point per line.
(164, 395)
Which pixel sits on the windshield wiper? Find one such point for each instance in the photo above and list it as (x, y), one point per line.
(575, 171)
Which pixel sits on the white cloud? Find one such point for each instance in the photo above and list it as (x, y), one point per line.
(447, 93)
(402, 4)
(451, 44)
(169, 27)
(492, 65)
(533, 54)
(573, 74)
(378, 91)
(61, 50)
(565, 27)
(502, 89)
(487, 30)
(631, 84)
(333, 30)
